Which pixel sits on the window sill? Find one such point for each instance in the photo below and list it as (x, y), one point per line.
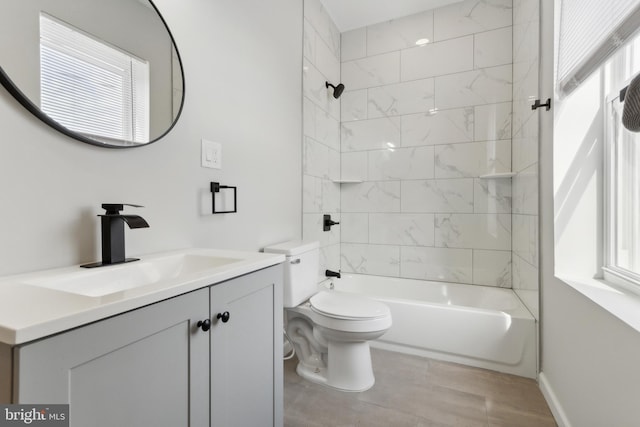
(620, 302)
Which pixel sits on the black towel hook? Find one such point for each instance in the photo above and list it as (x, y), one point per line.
(537, 104)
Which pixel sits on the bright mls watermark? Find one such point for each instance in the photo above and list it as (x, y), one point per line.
(34, 415)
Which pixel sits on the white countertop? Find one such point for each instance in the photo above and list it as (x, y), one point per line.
(30, 312)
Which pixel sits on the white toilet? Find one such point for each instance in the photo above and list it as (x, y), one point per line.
(329, 329)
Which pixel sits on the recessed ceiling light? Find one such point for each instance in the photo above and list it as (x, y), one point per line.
(422, 42)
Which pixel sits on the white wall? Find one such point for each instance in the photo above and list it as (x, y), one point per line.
(243, 89)
(578, 180)
(589, 359)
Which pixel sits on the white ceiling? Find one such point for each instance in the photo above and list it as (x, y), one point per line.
(351, 14)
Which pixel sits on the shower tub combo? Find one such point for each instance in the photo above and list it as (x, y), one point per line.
(474, 325)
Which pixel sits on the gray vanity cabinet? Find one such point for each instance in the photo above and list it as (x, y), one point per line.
(154, 366)
(246, 351)
(147, 367)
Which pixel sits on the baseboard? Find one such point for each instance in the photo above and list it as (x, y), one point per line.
(552, 401)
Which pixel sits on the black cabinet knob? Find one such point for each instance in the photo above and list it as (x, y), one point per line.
(204, 324)
(223, 316)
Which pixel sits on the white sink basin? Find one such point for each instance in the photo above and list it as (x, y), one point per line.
(102, 281)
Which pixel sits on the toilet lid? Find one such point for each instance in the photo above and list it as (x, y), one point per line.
(345, 305)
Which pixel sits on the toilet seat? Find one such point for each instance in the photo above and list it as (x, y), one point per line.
(346, 313)
(347, 306)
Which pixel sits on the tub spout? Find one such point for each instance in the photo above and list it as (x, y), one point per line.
(330, 273)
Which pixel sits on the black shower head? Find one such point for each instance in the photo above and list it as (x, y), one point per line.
(337, 90)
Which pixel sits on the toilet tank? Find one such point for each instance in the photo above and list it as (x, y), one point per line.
(300, 269)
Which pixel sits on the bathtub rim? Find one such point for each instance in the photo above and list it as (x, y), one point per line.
(519, 311)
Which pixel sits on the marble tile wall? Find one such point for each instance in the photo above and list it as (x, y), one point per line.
(321, 129)
(419, 125)
(526, 26)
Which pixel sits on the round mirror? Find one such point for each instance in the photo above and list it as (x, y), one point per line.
(104, 72)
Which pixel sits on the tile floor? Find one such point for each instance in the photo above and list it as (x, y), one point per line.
(418, 392)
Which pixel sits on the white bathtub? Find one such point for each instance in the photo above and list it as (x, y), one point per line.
(475, 325)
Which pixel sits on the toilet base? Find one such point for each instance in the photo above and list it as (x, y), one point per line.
(315, 375)
(349, 368)
(335, 358)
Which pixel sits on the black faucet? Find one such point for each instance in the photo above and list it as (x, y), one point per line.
(113, 234)
(330, 273)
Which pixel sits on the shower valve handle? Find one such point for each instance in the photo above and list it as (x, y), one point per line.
(327, 222)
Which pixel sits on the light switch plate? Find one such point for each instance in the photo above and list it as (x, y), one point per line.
(211, 154)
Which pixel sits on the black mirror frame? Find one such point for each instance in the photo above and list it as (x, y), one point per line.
(36, 111)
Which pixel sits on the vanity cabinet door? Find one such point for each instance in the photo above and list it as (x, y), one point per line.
(147, 367)
(246, 350)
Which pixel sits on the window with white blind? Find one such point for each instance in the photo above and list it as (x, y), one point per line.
(590, 32)
(91, 87)
(622, 177)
